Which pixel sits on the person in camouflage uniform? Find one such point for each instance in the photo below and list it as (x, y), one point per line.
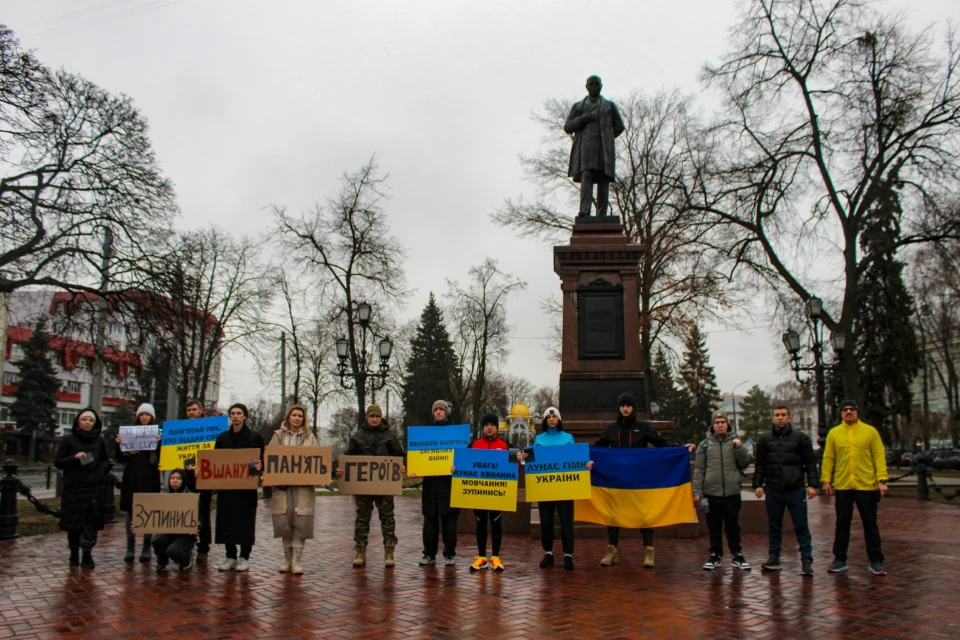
(374, 438)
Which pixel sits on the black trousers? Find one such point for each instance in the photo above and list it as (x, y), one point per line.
(206, 526)
(564, 509)
(589, 178)
(245, 550)
(172, 547)
(613, 536)
(433, 527)
(496, 528)
(84, 538)
(724, 513)
(867, 502)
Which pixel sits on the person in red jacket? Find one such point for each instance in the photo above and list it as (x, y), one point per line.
(489, 439)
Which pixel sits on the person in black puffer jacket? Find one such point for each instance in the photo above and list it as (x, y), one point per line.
(439, 519)
(82, 456)
(784, 456)
(628, 432)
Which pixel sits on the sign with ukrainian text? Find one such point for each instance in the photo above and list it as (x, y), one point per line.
(430, 449)
(182, 439)
(141, 437)
(172, 513)
(370, 476)
(558, 473)
(484, 479)
(227, 469)
(297, 466)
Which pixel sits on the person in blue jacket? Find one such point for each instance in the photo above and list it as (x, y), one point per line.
(552, 434)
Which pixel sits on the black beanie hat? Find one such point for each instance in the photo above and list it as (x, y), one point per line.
(626, 399)
(849, 403)
(490, 418)
(241, 406)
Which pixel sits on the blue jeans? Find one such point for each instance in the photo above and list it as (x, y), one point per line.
(796, 501)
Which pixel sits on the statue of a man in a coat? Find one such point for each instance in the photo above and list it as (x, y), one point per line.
(594, 123)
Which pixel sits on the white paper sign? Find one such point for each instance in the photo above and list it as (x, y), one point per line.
(139, 438)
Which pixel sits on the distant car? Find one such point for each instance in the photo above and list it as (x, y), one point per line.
(905, 459)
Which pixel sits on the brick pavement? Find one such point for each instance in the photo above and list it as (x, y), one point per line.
(40, 597)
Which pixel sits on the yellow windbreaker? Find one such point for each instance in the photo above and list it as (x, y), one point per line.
(854, 458)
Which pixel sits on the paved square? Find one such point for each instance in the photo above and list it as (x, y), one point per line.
(40, 597)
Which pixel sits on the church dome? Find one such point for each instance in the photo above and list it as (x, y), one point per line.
(520, 410)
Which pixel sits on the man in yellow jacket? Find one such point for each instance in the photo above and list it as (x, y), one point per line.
(855, 468)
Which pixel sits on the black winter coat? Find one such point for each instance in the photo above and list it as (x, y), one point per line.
(367, 441)
(82, 500)
(783, 457)
(628, 432)
(237, 508)
(435, 499)
(141, 474)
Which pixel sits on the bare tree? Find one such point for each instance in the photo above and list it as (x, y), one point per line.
(317, 356)
(504, 391)
(479, 316)
(343, 424)
(826, 105)
(348, 246)
(544, 398)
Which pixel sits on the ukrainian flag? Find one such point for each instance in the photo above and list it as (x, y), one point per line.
(638, 488)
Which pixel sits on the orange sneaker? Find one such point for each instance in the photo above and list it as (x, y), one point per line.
(478, 564)
(497, 565)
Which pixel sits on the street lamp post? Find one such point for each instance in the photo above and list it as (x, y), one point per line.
(791, 340)
(366, 374)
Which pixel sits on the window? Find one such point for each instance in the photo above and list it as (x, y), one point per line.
(72, 387)
(84, 364)
(11, 378)
(65, 417)
(115, 327)
(17, 353)
(117, 392)
(4, 413)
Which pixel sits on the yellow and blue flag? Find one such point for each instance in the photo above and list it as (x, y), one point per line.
(638, 488)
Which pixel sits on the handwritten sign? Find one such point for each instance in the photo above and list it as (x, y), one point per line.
(165, 513)
(484, 479)
(430, 449)
(182, 439)
(297, 466)
(558, 473)
(226, 469)
(371, 476)
(139, 438)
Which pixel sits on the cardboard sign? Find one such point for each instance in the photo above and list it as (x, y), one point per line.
(182, 439)
(226, 469)
(558, 473)
(165, 513)
(371, 476)
(139, 438)
(484, 479)
(297, 466)
(430, 449)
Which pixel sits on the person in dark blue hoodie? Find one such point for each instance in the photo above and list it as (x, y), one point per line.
(551, 435)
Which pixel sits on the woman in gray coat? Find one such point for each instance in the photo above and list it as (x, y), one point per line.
(717, 476)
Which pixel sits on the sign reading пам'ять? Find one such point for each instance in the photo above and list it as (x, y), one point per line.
(296, 466)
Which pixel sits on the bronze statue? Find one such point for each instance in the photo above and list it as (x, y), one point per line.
(594, 123)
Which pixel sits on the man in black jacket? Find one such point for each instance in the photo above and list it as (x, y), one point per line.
(628, 432)
(784, 456)
(438, 517)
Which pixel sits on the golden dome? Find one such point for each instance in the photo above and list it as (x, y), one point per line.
(519, 410)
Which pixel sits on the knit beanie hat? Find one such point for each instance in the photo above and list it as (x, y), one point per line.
(490, 418)
(374, 410)
(720, 414)
(87, 412)
(441, 404)
(147, 408)
(241, 406)
(626, 399)
(849, 403)
(552, 411)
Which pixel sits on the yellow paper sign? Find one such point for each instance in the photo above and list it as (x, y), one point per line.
(484, 480)
(430, 449)
(429, 463)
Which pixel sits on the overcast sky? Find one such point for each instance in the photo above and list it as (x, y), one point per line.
(253, 103)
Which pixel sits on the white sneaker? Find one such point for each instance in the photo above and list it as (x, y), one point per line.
(243, 564)
(227, 565)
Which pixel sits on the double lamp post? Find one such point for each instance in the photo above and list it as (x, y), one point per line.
(366, 375)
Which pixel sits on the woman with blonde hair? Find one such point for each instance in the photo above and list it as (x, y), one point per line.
(293, 507)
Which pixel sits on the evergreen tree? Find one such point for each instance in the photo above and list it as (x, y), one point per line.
(674, 402)
(430, 368)
(700, 383)
(887, 353)
(756, 412)
(35, 408)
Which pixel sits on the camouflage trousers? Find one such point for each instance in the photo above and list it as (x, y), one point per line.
(388, 524)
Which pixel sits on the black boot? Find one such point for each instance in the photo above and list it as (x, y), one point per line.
(74, 556)
(145, 552)
(87, 561)
(131, 550)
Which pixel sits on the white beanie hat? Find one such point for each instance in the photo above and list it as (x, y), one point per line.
(147, 408)
(552, 410)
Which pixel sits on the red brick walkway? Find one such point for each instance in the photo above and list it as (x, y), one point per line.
(40, 597)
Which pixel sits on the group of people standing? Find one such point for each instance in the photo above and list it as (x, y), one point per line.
(854, 469)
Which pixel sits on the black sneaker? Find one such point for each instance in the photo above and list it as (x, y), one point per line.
(74, 558)
(87, 561)
(712, 563)
(876, 568)
(547, 561)
(838, 566)
(740, 562)
(806, 567)
(772, 564)
(568, 563)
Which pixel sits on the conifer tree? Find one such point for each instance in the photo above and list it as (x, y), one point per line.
(430, 368)
(700, 382)
(756, 412)
(35, 408)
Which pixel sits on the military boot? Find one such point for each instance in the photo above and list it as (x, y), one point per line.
(361, 558)
(388, 555)
(611, 557)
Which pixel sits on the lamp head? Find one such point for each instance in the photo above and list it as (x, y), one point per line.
(815, 307)
(363, 313)
(342, 346)
(386, 348)
(791, 340)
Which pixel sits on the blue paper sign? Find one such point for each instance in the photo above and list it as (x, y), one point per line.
(454, 436)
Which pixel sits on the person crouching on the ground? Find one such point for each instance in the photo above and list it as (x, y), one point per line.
(374, 438)
(237, 508)
(439, 518)
(628, 432)
(855, 468)
(175, 546)
(140, 475)
(552, 434)
(82, 456)
(784, 456)
(489, 439)
(717, 476)
(293, 507)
